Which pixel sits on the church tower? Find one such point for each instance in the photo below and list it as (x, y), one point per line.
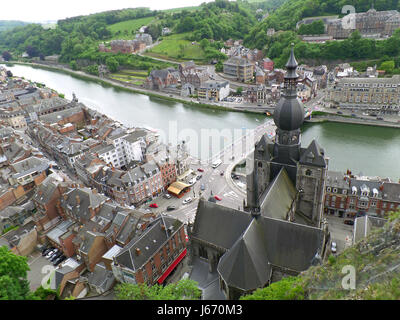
(305, 167)
(288, 118)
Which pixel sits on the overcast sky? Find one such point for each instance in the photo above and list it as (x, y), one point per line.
(43, 10)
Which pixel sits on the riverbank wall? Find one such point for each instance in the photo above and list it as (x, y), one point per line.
(326, 117)
(131, 88)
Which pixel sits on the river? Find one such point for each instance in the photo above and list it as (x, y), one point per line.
(372, 151)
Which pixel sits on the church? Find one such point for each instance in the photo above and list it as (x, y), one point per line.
(281, 231)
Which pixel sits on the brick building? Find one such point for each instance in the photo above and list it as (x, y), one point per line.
(154, 255)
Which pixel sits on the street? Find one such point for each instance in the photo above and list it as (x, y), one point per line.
(215, 183)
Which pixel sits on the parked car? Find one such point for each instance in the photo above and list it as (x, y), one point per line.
(167, 196)
(60, 259)
(203, 187)
(221, 173)
(200, 169)
(47, 250)
(153, 205)
(349, 222)
(199, 177)
(55, 256)
(170, 208)
(353, 115)
(217, 198)
(188, 200)
(333, 247)
(48, 256)
(192, 181)
(339, 112)
(379, 118)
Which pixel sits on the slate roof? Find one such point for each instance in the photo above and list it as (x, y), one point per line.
(336, 179)
(313, 155)
(135, 135)
(88, 240)
(219, 225)
(148, 243)
(269, 242)
(245, 265)
(88, 199)
(278, 197)
(45, 191)
(28, 166)
(60, 115)
(101, 278)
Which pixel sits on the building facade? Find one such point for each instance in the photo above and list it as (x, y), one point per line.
(378, 95)
(239, 68)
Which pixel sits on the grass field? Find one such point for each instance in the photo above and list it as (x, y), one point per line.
(128, 29)
(130, 76)
(177, 48)
(176, 10)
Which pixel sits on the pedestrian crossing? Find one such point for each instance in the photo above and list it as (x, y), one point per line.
(232, 195)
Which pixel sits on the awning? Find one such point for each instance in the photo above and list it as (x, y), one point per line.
(177, 187)
(172, 267)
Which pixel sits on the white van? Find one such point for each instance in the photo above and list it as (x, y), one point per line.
(216, 163)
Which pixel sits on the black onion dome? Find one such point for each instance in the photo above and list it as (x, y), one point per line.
(289, 113)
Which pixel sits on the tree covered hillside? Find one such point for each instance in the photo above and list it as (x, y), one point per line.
(290, 12)
(10, 24)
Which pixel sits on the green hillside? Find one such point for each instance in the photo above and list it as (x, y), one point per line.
(128, 29)
(10, 24)
(177, 47)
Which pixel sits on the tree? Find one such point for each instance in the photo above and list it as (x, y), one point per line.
(204, 43)
(112, 64)
(73, 65)
(13, 276)
(388, 66)
(219, 67)
(239, 91)
(6, 56)
(32, 51)
(286, 289)
(185, 289)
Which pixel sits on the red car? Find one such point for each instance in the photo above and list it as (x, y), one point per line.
(200, 170)
(217, 198)
(153, 205)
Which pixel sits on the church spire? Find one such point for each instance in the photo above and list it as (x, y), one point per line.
(289, 112)
(290, 84)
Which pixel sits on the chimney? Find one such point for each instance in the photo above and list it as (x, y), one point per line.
(137, 250)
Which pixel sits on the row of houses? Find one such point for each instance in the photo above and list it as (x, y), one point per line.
(350, 195)
(103, 240)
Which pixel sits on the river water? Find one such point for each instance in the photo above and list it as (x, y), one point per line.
(373, 151)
